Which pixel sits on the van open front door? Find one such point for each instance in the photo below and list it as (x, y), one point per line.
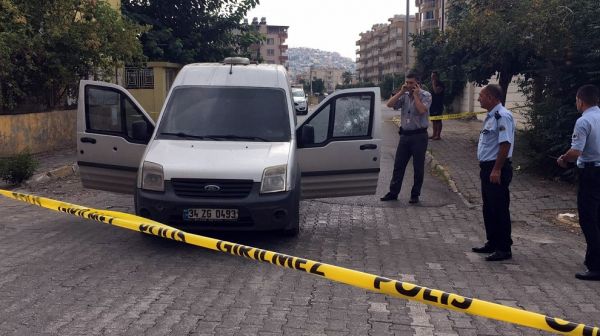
(112, 133)
(339, 145)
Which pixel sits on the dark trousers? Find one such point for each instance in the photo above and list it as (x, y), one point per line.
(415, 146)
(496, 202)
(588, 205)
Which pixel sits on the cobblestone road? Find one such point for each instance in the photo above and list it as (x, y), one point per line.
(61, 275)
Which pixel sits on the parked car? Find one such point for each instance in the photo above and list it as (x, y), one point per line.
(225, 152)
(300, 101)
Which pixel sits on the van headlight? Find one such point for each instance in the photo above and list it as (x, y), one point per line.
(153, 177)
(274, 179)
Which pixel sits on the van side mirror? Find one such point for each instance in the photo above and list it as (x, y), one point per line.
(139, 130)
(307, 135)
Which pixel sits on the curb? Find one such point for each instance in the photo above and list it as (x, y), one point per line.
(52, 175)
(437, 167)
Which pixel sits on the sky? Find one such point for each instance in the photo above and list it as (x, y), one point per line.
(329, 25)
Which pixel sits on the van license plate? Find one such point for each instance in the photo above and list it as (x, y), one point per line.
(210, 214)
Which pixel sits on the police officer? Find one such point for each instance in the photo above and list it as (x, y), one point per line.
(414, 103)
(494, 151)
(585, 149)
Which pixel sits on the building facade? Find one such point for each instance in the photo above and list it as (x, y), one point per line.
(331, 77)
(431, 15)
(273, 49)
(382, 50)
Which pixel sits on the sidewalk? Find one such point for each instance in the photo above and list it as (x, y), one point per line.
(534, 200)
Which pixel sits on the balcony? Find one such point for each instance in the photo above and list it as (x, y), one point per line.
(283, 59)
(429, 24)
(283, 48)
(426, 4)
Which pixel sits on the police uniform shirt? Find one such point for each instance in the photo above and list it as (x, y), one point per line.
(586, 136)
(498, 127)
(410, 118)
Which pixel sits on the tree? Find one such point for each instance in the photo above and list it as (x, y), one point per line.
(318, 85)
(46, 47)
(435, 52)
(347, 77)
(565, 35)
(186, 31)
(390, 84)
(493, 37)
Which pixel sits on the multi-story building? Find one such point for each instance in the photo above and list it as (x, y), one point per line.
(331, 77)
(382, 50)
(432, 14)
(273, 49)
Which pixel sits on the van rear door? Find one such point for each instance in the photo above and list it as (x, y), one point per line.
(339, 145)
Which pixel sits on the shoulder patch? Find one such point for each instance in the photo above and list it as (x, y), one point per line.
(574, 136)
(497, 115)
(501, 128)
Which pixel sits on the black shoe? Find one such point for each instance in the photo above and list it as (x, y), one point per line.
(499, 255)
(484, 249)
(414, 200)
(389, 197)
(588, 275)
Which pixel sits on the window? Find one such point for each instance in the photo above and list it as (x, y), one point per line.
(352, 116)
(254, 114)
(103, 110)
(139, 78)
(270, 52)
(429, 15)
(320, 123)
(270, 41)
(111, 111)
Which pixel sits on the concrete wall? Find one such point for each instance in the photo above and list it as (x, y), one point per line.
(515, 101)
(37, 132)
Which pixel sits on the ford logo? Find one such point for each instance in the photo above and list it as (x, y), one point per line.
(212, 187)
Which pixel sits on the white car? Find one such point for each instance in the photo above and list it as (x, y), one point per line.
(300, 102)
(225, 153)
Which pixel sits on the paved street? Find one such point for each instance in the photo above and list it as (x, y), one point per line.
(61, 275)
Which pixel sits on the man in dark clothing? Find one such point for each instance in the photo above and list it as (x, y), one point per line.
(585, 149)
(437, 105)
(414, 103)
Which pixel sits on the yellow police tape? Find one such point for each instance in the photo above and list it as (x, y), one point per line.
(347, 276)
(454, 116)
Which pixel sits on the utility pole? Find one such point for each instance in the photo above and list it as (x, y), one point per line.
(311, 88)
(406, 27)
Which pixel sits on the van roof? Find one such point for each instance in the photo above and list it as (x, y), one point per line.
(218, 74)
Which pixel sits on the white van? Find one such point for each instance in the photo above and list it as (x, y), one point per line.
(225, 153)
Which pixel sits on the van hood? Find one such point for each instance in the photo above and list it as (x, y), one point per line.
(217, 159)
(299, 99)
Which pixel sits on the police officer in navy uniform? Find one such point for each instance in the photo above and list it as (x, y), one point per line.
(414, 103)
(585, 149)
(494, 151)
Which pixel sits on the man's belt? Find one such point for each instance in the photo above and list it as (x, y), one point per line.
(412, 132)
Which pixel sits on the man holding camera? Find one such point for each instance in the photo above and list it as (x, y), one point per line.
(414, 104)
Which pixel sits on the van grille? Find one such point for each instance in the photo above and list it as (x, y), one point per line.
(212, 188)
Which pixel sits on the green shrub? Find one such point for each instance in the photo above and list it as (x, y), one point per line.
(18, 168)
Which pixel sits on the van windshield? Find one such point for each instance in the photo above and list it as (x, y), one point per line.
(226, 113)
(298, 93)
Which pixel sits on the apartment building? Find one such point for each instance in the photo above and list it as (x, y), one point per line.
(273, 49)
(431, 15)
(331, 77)
(382, 50)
